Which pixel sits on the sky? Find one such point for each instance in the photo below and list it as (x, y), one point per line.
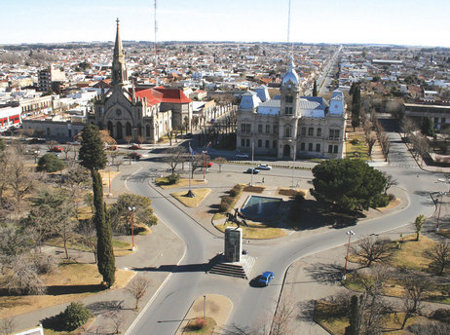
(412, 22)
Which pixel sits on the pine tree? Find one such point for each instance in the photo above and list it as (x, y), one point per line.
(315, 89)
(93, 157)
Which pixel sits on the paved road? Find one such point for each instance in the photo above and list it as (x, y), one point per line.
(188, 279)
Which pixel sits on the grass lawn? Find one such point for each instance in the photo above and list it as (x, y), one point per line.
(358, 150)
(255, 231)
(207, 330)
(121, 248)
(410, 256)
(200, 195)
(69, 282)
(85, 213)
(324, 316)
(163, 182)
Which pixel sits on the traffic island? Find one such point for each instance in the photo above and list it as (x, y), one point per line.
(213, 308)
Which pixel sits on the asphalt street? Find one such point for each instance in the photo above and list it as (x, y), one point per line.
(252, 306)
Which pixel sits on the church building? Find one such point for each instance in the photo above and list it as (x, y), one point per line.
(138, 114)
(291, 124)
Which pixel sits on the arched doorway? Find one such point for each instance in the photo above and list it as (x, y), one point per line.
(119, 131)
(128, 129)
(110, 129)
(287, 150)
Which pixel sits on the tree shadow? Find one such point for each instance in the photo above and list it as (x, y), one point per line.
(305, 310)
(201, 267)
(326, 273)
(101, 307)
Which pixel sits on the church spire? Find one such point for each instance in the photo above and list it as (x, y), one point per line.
(119, 70)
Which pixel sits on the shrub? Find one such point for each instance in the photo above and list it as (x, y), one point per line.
(197, 324)
(391, 197)
(44, 263)
(173, 178)
(75, 316)
(225, 203)
(50, 163)
(441, 314)
(354, 141)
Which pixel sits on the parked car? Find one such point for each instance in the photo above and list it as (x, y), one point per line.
(265, 278)
(57, 148)
(36, 140)
(135, 156)
(111, 147)
(264, 167)
(241, 155)
(135, 146)
(252, 170)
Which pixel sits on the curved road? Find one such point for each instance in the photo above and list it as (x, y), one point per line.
(188, 279)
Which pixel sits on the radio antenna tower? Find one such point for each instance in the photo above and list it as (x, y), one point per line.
(156, 42)
(289, 29)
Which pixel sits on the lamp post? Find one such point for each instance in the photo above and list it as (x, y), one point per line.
(439, 210)
(132, 209)
(350, 233)
(253, 149)
(204, 307)
(190, 194)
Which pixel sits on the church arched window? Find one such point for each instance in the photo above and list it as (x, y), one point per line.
(110, 129)
(147, 130)
(119, 131)
(128, 129)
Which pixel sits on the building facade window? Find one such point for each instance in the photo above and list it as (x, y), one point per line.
(242, 142)
(310, 131)
(259, 143)
(275, 129)
(319, 132)
(289, 99)
(287, 131)
(303, 131)
(310, 147)
(302, 146)
(260, 128)
(267, 144)
(274, 144)
(267, 128)
(288, 110)
(330, 149)
(335, 149)
(334, 134)
(318, 147)
(247, 142)
(246, 128)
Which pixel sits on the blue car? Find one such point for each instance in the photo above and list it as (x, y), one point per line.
(265, 278)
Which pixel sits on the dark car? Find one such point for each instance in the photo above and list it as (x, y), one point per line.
(36, 140)
(252, 170)
(265, 278)
(135, 146)
(135, 156)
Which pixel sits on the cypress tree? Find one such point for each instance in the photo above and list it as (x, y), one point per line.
(356, 106)
(93, 157)
(315, 89)
(354, 317)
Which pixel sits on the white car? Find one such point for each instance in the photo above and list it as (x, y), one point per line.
(264, 167)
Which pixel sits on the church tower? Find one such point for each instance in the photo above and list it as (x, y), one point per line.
(289, 113)
(119, 69)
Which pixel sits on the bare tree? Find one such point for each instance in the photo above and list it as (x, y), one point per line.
(66, 149)
(371, 139)
(174, 157)
(7, 326)
(440, 257)
(51, 144)
(170, 136)
(117, 320)
(390, 181)
(281, 323)
(76, 179)
(415, 287)
(370, 250)
(137, 288)
(128, 139)
(21, 277)
(21, 180)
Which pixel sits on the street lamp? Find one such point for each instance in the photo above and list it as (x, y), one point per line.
(132, 209)
(350, 233)
(439, 210)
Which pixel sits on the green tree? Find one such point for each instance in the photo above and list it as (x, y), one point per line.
(427, 127)
(348, 185)
(75, 315)
(418, 223)
(50, 163)
(93, 157)
(314, 92)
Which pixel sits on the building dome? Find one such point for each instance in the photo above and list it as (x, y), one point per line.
(291, 76)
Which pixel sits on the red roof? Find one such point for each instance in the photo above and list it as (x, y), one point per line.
(153, 96)
(173, 95)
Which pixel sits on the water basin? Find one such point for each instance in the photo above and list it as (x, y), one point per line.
(259, 208)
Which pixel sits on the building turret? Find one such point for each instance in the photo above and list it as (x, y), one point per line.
(119, 69)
